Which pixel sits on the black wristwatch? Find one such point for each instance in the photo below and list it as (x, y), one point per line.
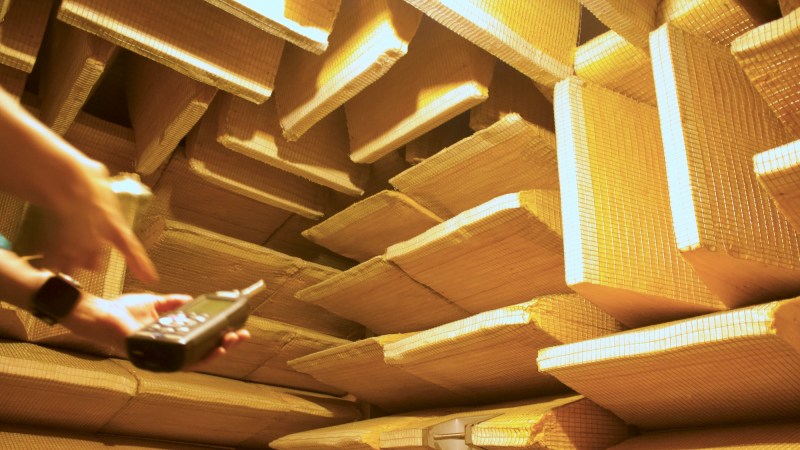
(55, 298)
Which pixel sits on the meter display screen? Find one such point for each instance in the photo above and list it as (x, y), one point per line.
(206, 305)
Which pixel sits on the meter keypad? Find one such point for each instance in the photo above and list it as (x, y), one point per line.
(178, 323)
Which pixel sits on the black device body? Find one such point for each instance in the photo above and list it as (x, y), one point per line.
(189, 334)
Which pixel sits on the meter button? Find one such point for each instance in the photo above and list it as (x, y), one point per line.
(166, 321)
(184, 329)
(168, 330)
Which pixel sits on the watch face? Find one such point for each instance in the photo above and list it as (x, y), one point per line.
(56, 298)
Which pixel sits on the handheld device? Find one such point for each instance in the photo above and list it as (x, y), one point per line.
(187, 335)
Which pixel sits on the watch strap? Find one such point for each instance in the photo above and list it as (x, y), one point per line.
(55, 298)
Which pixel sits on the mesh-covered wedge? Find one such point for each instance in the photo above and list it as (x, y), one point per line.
(619, 243)
(370, 36)
(74, 63)
(511, 155)
(505, 251)
(304, 24)
(712, 123)
(486, 357)
(366, 228)
(778, 172)
(728, 367)
(359, 368)
(535, 38)
(769, 55)
(380, 296)
(194, 38)
(441, 77)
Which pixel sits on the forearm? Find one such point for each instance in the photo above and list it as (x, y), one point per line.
(38, 165)
(103, 321)
(19, 280)
(90, 317)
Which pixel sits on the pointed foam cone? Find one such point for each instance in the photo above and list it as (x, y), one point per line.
(309, 411)
(289, 239)
(16, 436)
(195, 261)
(787, 6)
(4, 5)
(107, 142)
(283, 306)
(567, 421)
(12, 322)
(364, 434)
(545, 422)
(194, 407)
(277, 372)
(777, 436)
(271, 344)
(381, 171)
(718, 20)
(13, 81)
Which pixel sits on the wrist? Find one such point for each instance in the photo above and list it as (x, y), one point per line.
(55, 298)
(30, 282)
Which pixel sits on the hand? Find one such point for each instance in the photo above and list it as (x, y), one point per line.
(83, 226)
(42, 168)
(111, 321)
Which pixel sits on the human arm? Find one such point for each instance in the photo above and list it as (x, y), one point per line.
(101, 320)
(42, 168)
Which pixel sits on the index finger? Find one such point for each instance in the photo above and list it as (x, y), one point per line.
(135, 255)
